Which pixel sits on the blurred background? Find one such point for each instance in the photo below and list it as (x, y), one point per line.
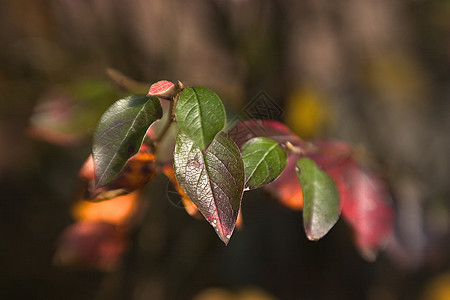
(373, 73)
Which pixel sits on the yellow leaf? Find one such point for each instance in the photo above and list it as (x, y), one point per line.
(307, 113)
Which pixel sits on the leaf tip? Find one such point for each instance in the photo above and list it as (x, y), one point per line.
(225, 238)
(314, 237)
(222, 233)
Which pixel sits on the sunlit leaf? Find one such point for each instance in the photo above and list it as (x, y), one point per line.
(321, 208)
(120, 133)
(115, 211)
(200, 114)
(213, 180)
(264, 160)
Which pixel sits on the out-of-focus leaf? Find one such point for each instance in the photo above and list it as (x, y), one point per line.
(200, 114)
(139, 169)
(120, 133)
(89, 244)
(115, 211)
(307, 112)
(264, 160)
(247, 293)
(365, 206)
(241, 132)
(67, 114)
(437, 288)
(213, 180)
(286, 188)
(321, 208)
(365, 199)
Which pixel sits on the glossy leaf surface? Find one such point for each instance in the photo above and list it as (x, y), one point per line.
(200, 115)
(120, 133)
(321, 207)
(213, 180)
(264, 160)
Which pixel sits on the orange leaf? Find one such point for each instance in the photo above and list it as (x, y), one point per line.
(115, 211)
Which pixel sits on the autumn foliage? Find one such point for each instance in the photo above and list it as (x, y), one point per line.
(211, 167)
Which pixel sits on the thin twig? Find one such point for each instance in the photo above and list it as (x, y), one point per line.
(126, 82)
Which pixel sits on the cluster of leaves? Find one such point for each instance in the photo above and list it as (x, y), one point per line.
(212, 167)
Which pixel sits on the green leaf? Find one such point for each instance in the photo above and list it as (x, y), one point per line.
(264, 160)
(120, 133)
(200, 114)
(321, 205)
(212, 179)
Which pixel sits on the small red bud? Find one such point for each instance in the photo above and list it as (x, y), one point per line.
(163, 89)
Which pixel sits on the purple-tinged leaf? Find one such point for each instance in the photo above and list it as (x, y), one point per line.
(213, 179)
(120, 133)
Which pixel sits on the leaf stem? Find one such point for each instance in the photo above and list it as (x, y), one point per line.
(166, 126)
(171, 118)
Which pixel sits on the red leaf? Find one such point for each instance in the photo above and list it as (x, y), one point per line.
(365, 206)
(90, 244)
